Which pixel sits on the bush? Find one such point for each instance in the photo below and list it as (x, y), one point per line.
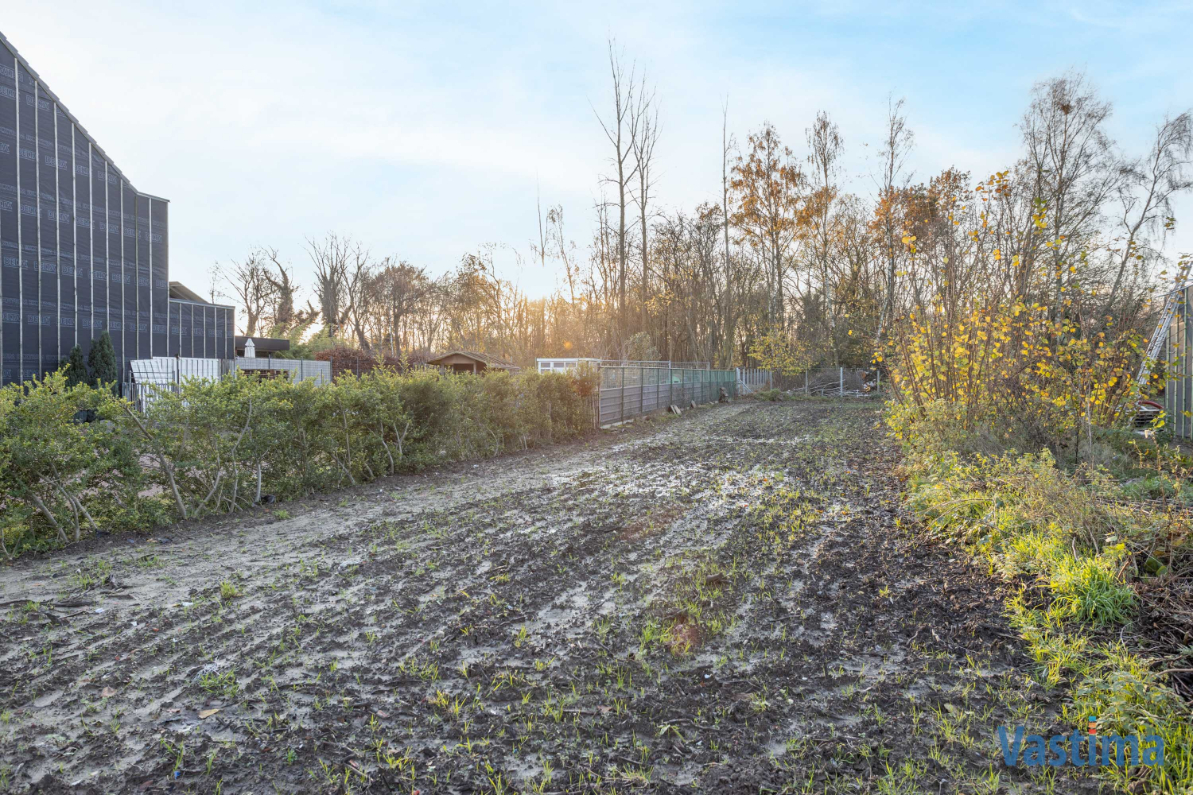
(346, 359)
(219, 446)
(1075, 557)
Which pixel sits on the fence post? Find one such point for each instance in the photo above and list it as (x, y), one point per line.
(841, 381)
(807, 393)
(641, 390)
(670, 386)
(878, 382)
(621, 389)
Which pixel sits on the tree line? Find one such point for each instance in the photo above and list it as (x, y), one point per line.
(789, 269)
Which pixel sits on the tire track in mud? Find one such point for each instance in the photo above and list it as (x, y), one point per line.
(719, 602)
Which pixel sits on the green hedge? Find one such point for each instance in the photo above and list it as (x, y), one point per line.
(74, 459)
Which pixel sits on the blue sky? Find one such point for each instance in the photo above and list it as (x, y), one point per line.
(426, 130)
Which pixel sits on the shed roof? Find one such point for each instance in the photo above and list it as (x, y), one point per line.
(181, 291)
(488, 360)
(264, 344)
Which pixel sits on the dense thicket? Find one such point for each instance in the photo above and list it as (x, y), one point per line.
(218, 447)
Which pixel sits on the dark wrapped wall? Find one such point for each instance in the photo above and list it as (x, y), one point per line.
(115, 254)
(159, 269)
(64, 231)
(47, 227)
(81, 250)
(98, 220)
(10, 252)
(27, 233)
(84, 287)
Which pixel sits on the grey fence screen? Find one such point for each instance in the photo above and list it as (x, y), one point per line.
(1178, 384)
(628, 392)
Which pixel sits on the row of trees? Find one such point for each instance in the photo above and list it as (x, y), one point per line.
(789, 267)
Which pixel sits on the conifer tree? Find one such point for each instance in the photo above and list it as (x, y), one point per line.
(76, 368)
(102, 361)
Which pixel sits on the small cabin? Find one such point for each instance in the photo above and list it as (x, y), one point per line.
(471, 362)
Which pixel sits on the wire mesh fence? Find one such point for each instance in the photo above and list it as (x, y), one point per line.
(819, 381)
(627, 392)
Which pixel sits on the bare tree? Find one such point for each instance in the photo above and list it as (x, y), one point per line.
(360, 298)
(1146, 192)
(282, 314)
(824, 150)
(622, 133)
(1074, 166)
(397, 290)
(342, 271)
(555, 239)
(329, 257)
(644, 122)
(727, 145)
(895, 147)
(252, 289)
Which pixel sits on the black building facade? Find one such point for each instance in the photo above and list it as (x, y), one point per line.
(81, 250)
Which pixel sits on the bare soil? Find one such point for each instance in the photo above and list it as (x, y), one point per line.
(728, 601)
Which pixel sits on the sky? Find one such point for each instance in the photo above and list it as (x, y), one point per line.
(428, 130)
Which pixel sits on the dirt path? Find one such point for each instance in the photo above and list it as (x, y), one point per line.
(724, 602)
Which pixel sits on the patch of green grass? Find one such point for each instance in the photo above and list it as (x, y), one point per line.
(1028, 519)
(222, 683)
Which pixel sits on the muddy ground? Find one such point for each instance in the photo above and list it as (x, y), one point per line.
(728, 601)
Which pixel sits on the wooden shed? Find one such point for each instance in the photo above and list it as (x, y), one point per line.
(471, 362)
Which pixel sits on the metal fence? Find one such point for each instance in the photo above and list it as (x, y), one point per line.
(752, 379)
(296, 369)
(1178, 383)
(564, 365)
(627, 392)
(149, 378)
(837, 381)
